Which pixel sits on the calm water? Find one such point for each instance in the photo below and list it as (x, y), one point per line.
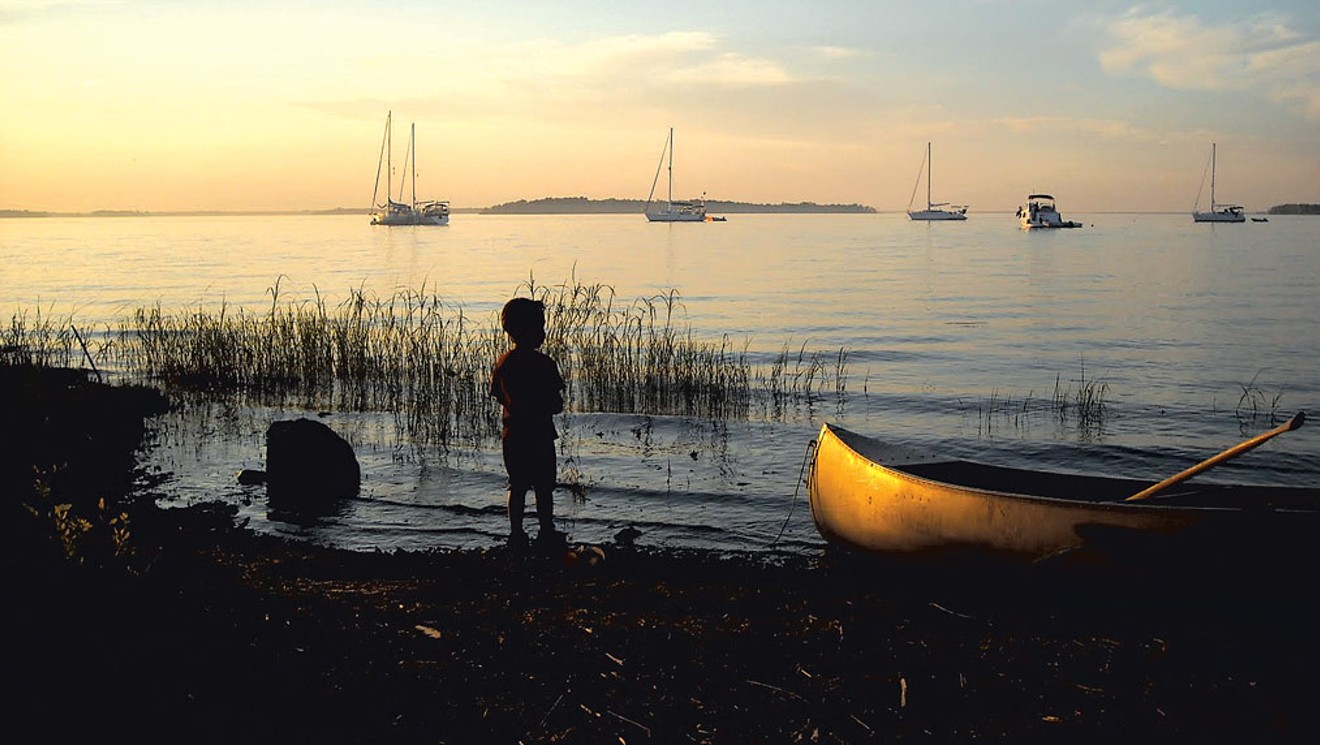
(957, 336)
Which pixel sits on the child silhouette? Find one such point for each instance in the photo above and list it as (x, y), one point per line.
(527, 383)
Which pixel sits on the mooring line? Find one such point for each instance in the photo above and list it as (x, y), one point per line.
(806, 458)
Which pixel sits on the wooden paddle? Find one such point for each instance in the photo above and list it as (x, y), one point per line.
(1298, 420)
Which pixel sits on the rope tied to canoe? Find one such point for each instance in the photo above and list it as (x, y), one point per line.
(806, 459)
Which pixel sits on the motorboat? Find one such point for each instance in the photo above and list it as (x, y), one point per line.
(1040, 212)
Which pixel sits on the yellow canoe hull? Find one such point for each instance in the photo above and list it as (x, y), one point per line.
(874, 497)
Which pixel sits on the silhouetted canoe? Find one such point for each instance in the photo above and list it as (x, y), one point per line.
(873, 497)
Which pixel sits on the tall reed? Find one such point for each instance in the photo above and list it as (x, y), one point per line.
(38, 340)
(1086, 404)
(422, 357)
(1254, 403)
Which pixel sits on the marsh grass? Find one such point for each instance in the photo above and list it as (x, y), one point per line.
(1255, 404)
(999, 411)
(38, 339)
(412, 353)
(1085, 404)
(423, 358)
(1080, 403)
(636, 358)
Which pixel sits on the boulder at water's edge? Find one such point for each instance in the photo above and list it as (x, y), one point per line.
(308, 465)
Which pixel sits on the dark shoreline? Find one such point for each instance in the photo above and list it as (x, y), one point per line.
(211, 633)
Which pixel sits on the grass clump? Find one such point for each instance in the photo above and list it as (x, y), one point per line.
(636, 358)
(999, 410)
(1085, 404)
(799, 378)
(1255, 404)
(37, 340)
(413, 353)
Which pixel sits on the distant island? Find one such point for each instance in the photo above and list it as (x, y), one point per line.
(585, 206)
(1294, 209)
(544, 206)
(183, 213)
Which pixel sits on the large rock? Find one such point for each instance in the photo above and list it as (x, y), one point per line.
(309, 466)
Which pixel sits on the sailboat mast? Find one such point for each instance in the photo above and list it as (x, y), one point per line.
(927, 175)
(412, 148)
(671, 167)
(1213, 147)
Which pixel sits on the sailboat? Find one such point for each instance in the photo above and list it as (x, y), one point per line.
(934, 210)
(413, 212)
(1218, 212)
(691, 210)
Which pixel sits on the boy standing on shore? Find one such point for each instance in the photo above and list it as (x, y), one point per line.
(527, 383)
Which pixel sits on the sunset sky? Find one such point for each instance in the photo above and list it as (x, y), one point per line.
(236, 105)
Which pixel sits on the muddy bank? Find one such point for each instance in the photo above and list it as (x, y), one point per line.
(209, 633)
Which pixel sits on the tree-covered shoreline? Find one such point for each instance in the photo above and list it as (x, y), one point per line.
(1295, 209)
(541, 206)
(583, 205)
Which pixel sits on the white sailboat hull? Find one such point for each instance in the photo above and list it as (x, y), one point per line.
(427, 213)
(408, 219)
(936, 215)
(1219, 216)
(674, 216)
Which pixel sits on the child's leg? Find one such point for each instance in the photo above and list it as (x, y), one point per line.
(517, 506)
(545, 508)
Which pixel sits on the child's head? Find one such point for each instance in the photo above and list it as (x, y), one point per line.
(523, 320)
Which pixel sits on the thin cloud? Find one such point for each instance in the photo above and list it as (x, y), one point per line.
(19, 11)
(1110, 128)
(731, 70)
(675, 57)
(834, 54)
(611, 55)
(1181, 52)
(546, 75)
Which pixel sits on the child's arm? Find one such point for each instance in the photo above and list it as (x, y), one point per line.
(497, 386)
(557, 396)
